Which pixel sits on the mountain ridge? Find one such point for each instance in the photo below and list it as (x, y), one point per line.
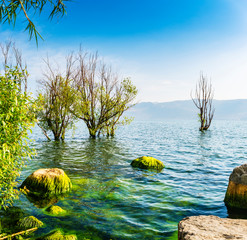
(235, 109)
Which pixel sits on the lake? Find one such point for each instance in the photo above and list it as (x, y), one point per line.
(112, 200)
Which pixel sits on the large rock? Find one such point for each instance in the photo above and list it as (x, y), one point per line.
(236, 194)
(47, 181)
(212, 228)
(145, 162)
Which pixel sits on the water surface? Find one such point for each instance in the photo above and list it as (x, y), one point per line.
(112, 200)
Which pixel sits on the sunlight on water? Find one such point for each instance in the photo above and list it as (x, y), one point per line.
(111, 200)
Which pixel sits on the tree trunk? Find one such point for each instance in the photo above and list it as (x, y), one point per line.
(92, 133)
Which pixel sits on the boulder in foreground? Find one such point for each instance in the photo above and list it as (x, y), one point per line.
(236, 194)
(212, 228)
(47, 181)
(147, 163)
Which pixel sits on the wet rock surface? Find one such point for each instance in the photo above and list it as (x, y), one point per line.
(236, 194)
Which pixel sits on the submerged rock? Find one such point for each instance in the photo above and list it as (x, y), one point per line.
(236, 194)
(30, 222)
(211, 228)
(44, 201)
(57, 235)
(55, 210)
(47, 181)
(147, 163)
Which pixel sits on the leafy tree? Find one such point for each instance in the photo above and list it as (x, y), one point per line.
(16, 119)
(89, 91)
(55, 101)
(203, 99)
(126, 94)
(100, 98)
(9, 9)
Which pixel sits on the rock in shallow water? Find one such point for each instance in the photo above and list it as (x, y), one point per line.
(55, 210)
(47, 181)
(236, 194)
(147, 163)
(29, 222)
(212, 228)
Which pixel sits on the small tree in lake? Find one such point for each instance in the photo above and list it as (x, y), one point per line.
(202, 99)
(101, 98)
(55, 99)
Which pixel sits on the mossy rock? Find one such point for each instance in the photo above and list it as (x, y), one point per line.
(47, 181)
(30, 222)
(55, 210)
(57, 235)
(147, 163)
(236, 194)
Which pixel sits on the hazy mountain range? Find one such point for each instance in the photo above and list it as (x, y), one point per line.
(186, 110)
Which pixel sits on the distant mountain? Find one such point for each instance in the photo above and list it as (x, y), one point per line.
(186, 110)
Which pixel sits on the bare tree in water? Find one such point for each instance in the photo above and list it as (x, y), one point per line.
(203, 98)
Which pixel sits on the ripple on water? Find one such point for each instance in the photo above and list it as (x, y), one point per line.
(112, 200)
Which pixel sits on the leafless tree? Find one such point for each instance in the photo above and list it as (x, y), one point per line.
(12, 57)
(203, 99)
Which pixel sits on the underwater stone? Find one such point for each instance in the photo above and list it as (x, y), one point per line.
(30, 222)
(57, 235)
(211, 228)
(147, 163)
(55, 210)
(236, 194)
(43, 201)
(47, 181)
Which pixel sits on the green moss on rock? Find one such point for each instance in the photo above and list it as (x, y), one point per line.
(147, 163)
(57, 235)
(236, 201)
(30, 222)
(47, 181)
(42, 202)
(55, 210)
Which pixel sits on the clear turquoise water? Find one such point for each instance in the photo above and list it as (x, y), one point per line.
(111, 200)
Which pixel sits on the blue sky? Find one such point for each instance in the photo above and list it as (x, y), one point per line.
(163, 45)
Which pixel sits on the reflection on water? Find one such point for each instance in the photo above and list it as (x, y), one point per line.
(111, 200)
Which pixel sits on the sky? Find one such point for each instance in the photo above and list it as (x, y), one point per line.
(162, 45)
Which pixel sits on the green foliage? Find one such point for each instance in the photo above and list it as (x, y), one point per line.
(10, 9)
(125, 96)
(54, 102)
(101, 104)
(88, 91)
(16, 119)
(147, 163)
